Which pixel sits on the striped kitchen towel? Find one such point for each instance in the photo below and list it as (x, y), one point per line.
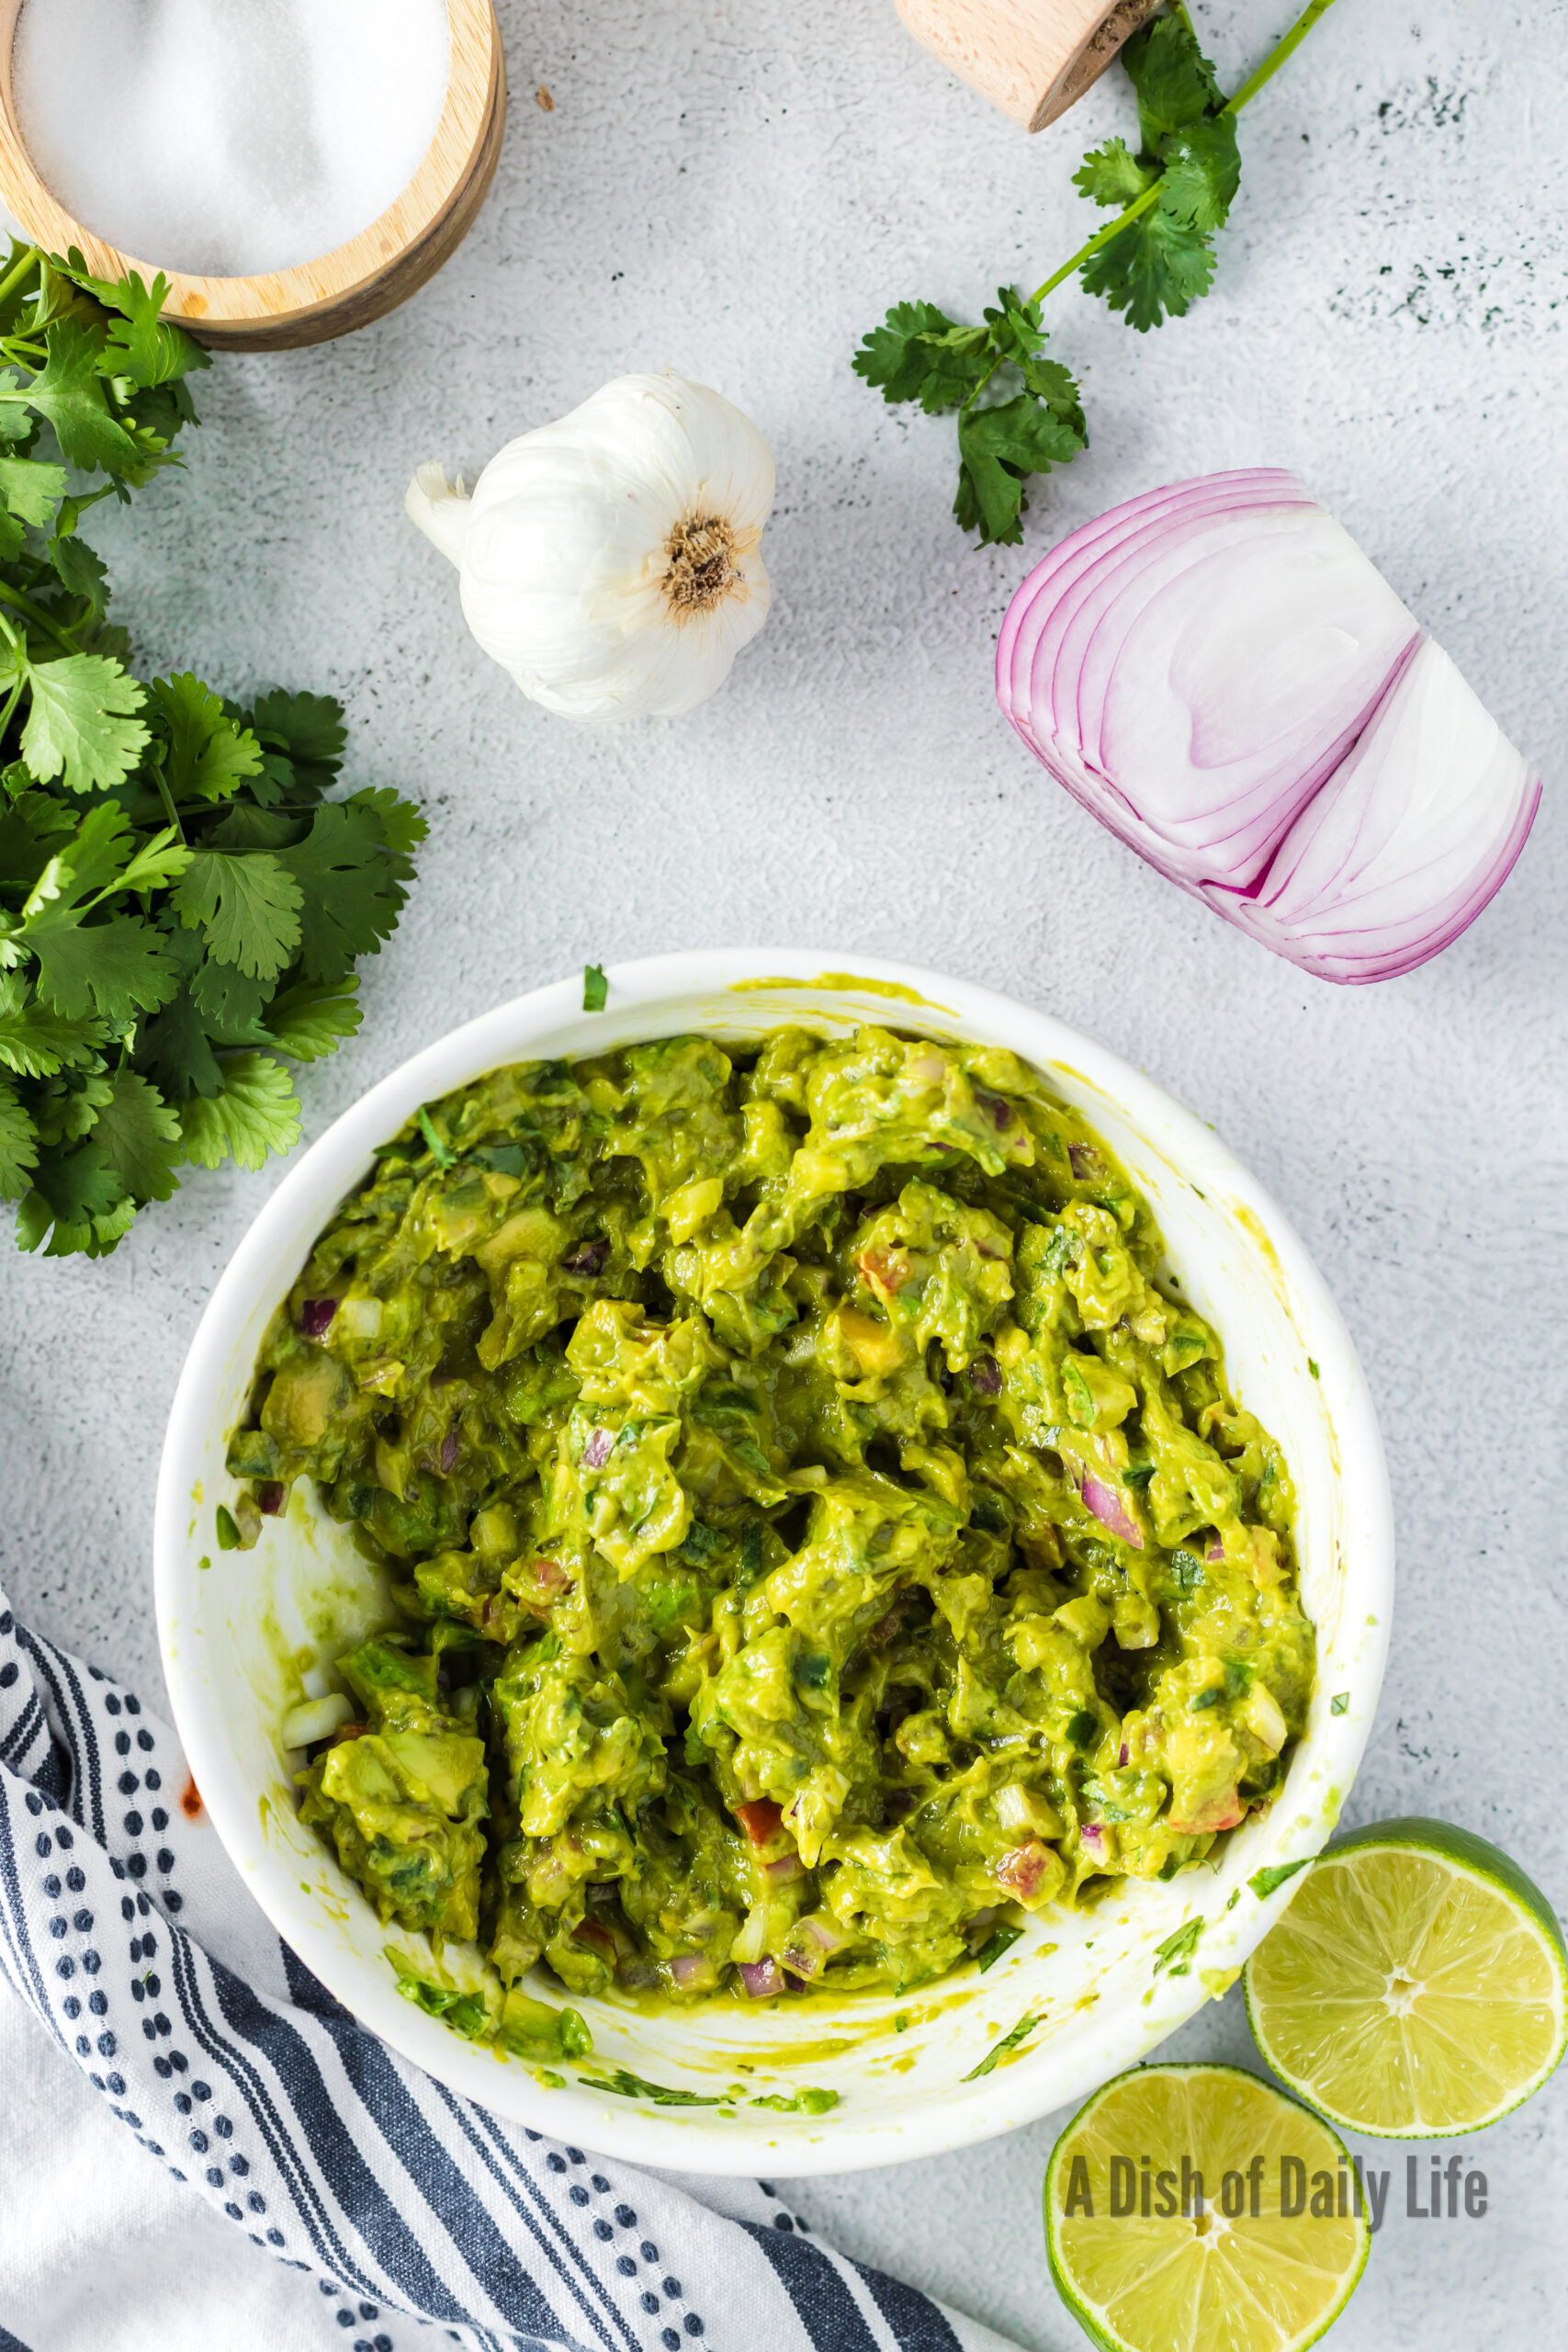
(402, 2208)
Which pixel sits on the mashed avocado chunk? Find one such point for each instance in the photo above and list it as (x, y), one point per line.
(818, 1538)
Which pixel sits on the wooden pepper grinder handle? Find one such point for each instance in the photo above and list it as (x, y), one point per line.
(1031, 58)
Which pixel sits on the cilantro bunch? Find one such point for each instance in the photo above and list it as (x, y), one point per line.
(1019, 414)
(180, 905)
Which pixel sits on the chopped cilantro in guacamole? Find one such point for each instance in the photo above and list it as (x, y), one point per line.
(818, 1541)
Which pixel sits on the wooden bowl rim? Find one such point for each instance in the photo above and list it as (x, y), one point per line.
(271, 295)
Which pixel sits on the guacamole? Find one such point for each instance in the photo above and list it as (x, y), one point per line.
(820, 1535)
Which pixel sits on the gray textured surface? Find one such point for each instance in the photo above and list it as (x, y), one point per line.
(740, 190)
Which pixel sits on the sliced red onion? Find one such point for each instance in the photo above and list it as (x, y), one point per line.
(823, 1933)
(1216, 1550)
(784, 1872)
(316, 1317)
(1084, 1159)
(762, 1978)
(1121, 1756)
(1225, 681)
(599, 1445)
(1110, 1507)
(271, 1496)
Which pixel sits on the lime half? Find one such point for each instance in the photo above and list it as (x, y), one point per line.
(1418, 1986)
(1249, 2266)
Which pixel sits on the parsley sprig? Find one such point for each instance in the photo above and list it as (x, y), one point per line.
(180, 905)
(1019, 414)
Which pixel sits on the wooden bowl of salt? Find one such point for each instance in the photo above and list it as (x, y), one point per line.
(359, 278)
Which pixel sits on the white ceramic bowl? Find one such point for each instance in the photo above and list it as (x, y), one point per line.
(246, 1634)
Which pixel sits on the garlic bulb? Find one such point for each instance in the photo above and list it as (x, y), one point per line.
(610, 562)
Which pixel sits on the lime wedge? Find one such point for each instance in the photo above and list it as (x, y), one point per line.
(1418, 1986)
(1245, 2268)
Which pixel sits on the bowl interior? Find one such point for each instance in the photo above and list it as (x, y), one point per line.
(247, 1634)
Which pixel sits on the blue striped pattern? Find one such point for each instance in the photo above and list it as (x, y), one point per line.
(126, 1932)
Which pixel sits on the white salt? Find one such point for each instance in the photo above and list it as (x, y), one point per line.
(226, 137)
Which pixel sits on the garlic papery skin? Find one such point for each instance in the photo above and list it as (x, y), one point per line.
(611, 562)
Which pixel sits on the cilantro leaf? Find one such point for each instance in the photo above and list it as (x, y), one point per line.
(208, 756)
(93, 856)
(247, 906)
(174, 1051)
(230, 1003)
(402, 824)
(80, 726)
(19, 1145)
(139, 347)
(78, 1185)
(920, 354)
(307, 1021)
(1174, 80)
(254, 1113)
(139, 1134)
(1110, 175)
(308, 730)
(596, 988)
(31, 489)
(81, 570)
(998, 447)
(1202, 172)
(1155, 268)
(35, 1042)
(350, 894)
(116, 968)
(157, 863)
(72, 393)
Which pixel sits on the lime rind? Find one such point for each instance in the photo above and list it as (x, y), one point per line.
(1091, 2319)
(1466, 1855)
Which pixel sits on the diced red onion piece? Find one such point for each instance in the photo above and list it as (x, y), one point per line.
(316, 1317)
(986, 1376)
(784, 1872)
(271, 1496)
(597, 1452)
(1084, 1159)
(691, 1970)
(451, 1446)
(1023, 1871)
(590, 1259)
(1110, 1507)
(1121, 1756)
(804, 1961)
(823, 1933)
(1216, 1550)
(1091, 1837)
(762, 1978)
(637, 1975)
(1225, 680)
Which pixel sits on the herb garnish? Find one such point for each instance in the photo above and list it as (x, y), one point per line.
(180, 906)
(998, 2050)
(1264, 1882)
(1152, 262)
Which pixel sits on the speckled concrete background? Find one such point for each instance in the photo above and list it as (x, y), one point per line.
(740, 190)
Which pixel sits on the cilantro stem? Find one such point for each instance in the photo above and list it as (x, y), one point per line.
(19, 270)
(40, 618)
(167, 798)
(1277, 57)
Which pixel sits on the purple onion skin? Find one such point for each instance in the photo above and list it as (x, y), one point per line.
(316, 1317)
(1331, 837)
